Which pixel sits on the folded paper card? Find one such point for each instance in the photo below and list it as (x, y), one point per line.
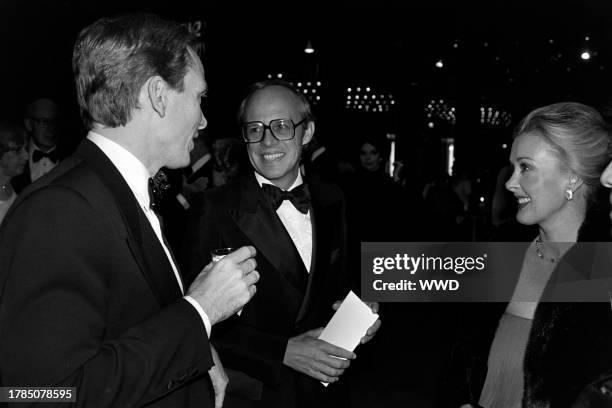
(349, 324)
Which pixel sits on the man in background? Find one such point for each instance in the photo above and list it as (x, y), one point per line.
(44, 151)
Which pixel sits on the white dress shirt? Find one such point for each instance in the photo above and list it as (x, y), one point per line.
(41, 167)
(137, 176)
(298, 225)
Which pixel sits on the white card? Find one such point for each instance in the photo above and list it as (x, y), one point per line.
(349, 324)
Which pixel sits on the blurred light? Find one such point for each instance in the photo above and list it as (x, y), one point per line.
(279, 75)
(307, 83)
(368, 89)
(318, 98)
(439, 64)
(551, 41)
(348, 89)
(587, 38)
(308, 49)
(269, 76)
(482, 199)
(348, 97)
(450, 155)
(358, 89)
(299, 84)
(391, 154)
(430, 125)
(585, 55)
(318, 83)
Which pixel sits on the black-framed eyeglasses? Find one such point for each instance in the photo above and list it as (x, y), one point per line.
(281, 129)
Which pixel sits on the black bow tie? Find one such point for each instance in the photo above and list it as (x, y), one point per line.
(299, 197)
(37, 155)
(158, 187)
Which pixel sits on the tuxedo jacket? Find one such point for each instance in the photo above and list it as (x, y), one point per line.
(289, 300)
(25, 179)
(88, 298)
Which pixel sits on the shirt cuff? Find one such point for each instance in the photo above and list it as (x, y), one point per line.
(201, 312)
(181, 199)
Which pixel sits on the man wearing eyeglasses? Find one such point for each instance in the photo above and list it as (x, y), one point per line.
(272, 350)
(44, 152)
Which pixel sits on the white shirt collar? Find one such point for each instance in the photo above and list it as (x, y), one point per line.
(133, 171)
(262, 180)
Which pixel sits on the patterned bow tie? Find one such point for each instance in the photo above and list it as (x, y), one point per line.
(158, 187)
(299, 197)
(37, 155)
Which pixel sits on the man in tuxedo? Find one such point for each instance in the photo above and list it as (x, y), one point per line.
(91, 296)
(41, 122)
(298, 228)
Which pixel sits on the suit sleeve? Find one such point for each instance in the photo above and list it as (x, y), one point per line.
(58, 257)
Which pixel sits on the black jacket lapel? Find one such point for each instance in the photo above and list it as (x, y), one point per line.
(141, 240)
(258, 220)
(321, 247)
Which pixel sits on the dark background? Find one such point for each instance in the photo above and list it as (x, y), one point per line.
(511, 56)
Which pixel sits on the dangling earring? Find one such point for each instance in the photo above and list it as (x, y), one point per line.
(569, 194)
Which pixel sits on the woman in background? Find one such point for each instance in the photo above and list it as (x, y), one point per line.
(541, 354)
(13, 158)
(230, 161)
